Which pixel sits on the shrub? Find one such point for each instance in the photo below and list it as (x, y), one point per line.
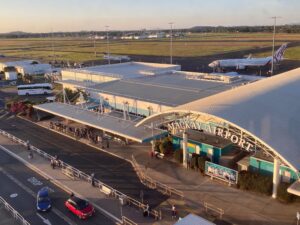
(201, 162)
(283, 195)
(178, 155)
(165, 146)
(255, 182)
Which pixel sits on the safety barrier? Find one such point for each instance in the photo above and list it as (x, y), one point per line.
(15, 214)
(126, 221)
(213, 208)
(75, 173)
(148, 181)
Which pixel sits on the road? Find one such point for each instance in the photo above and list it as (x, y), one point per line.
(111, 170)
(19, 186)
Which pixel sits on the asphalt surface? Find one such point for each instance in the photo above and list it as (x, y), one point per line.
(17, 179)
(111, 170)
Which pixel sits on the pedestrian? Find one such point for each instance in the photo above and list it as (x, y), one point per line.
(93, 179)
(71, 195)
(52, 163)
(28, 145)
(30, 155)
(173, 212)
(146, 211)
(107, 143)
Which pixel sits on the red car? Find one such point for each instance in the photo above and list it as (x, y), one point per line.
(80, 207)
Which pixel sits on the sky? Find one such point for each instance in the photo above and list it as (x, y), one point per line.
(77, 15)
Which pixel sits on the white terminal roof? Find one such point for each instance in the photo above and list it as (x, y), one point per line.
(19, 63)
(111, 124)
(169, 89)
(269, 109)
(128, 70)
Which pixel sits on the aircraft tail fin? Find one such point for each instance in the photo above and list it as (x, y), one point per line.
(278, 56)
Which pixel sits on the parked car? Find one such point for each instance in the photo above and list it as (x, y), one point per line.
(43, 201)
(81, 208)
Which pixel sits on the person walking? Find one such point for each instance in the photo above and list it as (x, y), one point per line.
(52, 163)
(28, 145)
(93, 179)
(174, 212)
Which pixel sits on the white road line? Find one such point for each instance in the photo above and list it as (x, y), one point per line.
(58, 183)
(33, 194)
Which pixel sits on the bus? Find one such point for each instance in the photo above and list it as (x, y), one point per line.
(35, 89)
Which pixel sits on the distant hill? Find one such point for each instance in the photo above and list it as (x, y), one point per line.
(289, 28)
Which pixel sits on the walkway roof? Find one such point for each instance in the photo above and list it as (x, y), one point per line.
(113, 125)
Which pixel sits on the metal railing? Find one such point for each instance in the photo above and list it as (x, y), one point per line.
(72, 171)
(213, 208)
(17, 216)
(127, 221)
(151, 183)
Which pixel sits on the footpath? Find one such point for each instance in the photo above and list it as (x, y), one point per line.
(240, 207)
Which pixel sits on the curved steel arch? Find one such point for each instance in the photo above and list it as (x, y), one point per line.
(181, 113)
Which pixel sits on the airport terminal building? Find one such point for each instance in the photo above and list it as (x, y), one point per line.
(236, 121)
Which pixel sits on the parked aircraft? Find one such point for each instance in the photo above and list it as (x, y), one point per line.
(241, 64)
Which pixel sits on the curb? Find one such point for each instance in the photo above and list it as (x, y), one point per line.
(56, 182)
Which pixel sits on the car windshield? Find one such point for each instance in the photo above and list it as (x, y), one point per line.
(82, 204)
(43, 199)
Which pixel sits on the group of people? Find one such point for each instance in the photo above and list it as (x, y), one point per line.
(55, 162)
(82, 132)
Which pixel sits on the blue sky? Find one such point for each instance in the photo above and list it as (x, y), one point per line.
(73, 15)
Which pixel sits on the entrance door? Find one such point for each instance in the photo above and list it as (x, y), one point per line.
(198, 150)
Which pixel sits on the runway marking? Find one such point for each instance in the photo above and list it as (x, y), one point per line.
(32, 193)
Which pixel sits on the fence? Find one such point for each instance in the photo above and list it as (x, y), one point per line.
(16, 215)
(126, 221)
(148, 181)
(213, 208)
(75, 173)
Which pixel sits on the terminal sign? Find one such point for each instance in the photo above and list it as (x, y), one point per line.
(218, 131)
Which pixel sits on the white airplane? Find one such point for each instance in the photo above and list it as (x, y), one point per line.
(116, 57)
(241, 64)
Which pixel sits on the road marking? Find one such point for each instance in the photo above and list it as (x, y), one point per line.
(29, 191)
(34, 181)
(14, 195)
(45, 221)
(4, 115)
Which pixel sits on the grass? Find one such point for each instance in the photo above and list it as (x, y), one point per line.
(200, 44)
(292, 53)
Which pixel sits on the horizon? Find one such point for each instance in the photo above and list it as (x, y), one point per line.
(74, 16)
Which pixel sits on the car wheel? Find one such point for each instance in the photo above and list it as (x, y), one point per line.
(45, 93)
(27, 94)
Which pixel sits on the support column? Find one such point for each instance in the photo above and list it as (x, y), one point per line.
(184, 148)
(276, 177)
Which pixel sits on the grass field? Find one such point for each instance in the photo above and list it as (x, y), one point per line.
(79, 49)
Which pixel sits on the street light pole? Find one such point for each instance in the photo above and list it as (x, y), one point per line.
(171, 43)
(273, 46)
(107, 44)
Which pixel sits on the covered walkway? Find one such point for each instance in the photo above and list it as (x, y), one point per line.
(114, 125)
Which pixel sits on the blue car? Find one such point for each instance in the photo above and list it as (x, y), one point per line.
(43, 201)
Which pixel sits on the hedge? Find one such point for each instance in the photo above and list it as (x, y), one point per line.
(255, 182)
(178, 155)
(283, 195)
